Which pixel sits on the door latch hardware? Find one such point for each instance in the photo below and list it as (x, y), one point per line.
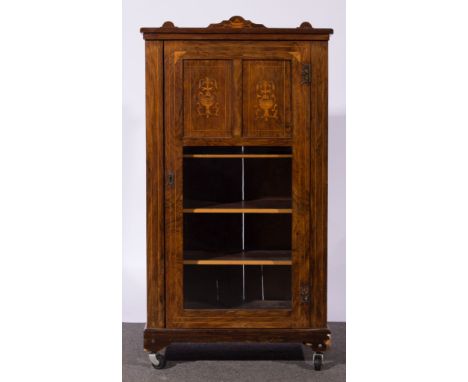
(305, 294)
(170, 178)
(306, 78)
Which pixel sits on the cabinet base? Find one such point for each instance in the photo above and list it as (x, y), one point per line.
(317, 339)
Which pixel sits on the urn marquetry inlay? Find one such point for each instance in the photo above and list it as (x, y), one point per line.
(207, 105)
(267, 108)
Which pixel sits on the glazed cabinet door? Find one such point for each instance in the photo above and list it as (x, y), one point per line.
(237, 189)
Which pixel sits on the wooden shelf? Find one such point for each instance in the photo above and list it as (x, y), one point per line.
(263, 206)
(238, 156)
(254, 304)
(238, 258)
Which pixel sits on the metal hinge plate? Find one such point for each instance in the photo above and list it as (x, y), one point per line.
(305, 294)
(306, 76)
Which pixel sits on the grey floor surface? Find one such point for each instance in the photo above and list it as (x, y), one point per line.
(233, 362)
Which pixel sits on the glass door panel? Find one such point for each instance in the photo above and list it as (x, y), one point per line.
(237, 227)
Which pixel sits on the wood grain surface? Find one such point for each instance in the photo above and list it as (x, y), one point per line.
(237, 84)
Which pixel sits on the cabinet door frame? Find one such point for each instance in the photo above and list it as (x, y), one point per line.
(298, 53)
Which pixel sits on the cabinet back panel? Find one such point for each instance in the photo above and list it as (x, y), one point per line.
(214, 180)
(267, 178)
(267, 231)
(235, 287)
(212, 232)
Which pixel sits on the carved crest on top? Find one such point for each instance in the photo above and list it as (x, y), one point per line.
(236, 22)
(168, 24)
(305, 25)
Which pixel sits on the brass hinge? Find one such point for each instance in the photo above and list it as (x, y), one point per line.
(306, 76)
(305, 294)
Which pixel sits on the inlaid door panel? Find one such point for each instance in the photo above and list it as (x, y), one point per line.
(207, 98)
(267, 98)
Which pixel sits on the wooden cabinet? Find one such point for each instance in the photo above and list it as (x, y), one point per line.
(236, 184)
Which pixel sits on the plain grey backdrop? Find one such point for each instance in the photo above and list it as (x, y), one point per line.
(138, 13)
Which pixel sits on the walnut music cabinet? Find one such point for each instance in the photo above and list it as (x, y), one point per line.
(236, 130)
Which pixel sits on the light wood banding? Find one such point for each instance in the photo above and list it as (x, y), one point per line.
(237, 155)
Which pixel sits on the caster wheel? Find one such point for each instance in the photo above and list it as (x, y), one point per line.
(318, 360)
(158, 360)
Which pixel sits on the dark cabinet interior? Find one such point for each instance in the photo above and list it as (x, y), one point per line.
(241, 258)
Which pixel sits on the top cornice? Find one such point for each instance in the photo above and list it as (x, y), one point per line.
(236, 26)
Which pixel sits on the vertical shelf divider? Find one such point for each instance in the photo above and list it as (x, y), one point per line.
(243, 225)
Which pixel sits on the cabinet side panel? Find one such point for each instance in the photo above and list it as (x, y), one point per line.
(301, 192)
(154, 184)
(319, 162)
